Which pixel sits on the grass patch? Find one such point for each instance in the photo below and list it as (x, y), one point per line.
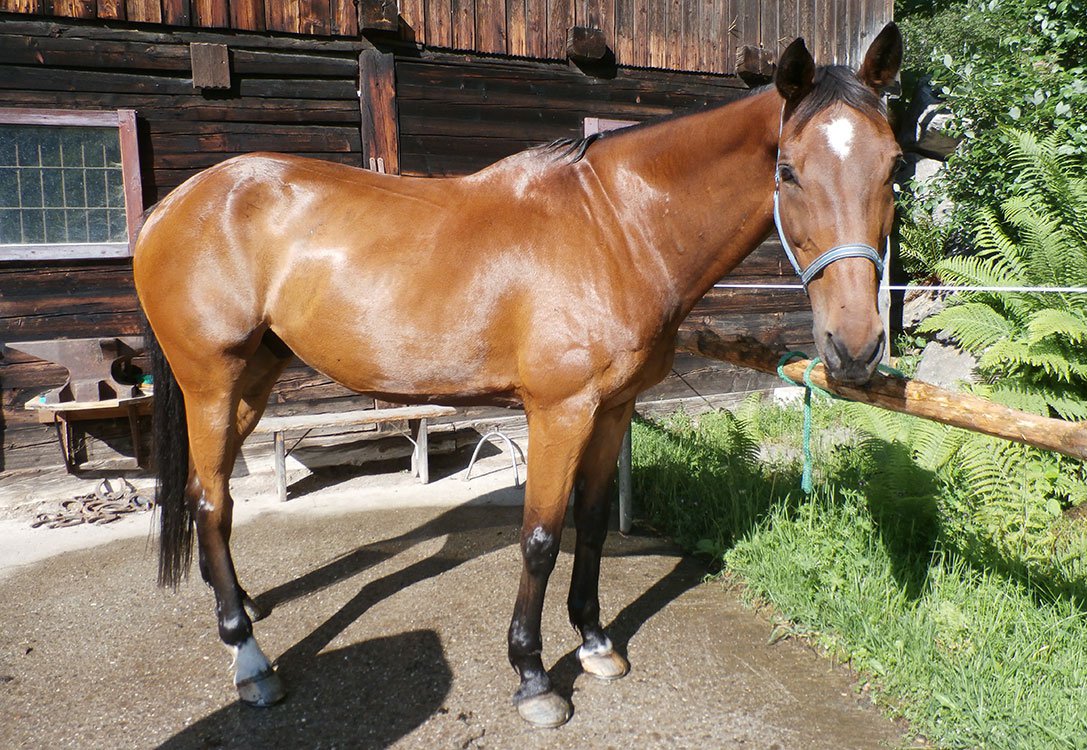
(974, 651)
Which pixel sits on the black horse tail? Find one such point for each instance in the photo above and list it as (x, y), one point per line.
(170, 450)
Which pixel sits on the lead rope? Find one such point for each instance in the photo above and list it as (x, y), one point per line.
(809, 386)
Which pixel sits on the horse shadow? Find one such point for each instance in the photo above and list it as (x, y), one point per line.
(372, 693)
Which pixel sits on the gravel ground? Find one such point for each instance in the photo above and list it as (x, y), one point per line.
(389, 605)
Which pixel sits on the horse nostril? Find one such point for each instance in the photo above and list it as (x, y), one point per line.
(840, 350)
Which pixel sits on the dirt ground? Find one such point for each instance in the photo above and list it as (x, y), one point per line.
(389, 606)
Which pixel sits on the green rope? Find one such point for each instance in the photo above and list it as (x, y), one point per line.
(809, 386)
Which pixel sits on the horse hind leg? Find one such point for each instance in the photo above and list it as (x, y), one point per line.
(592, 505)
(221, 412)
(261, 372)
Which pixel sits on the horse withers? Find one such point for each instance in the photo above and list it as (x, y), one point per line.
(555, 279)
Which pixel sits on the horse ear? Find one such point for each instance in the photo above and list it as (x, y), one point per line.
(883, 59)
(796, 71)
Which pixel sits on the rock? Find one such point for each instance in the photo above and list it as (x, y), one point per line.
(920, 303)
(945, 365)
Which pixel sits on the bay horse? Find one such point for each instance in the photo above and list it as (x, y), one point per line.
(555, 279)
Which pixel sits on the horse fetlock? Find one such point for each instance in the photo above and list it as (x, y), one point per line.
(533, 682)
(236, 629)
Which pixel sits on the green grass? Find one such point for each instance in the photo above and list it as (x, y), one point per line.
(973, 654)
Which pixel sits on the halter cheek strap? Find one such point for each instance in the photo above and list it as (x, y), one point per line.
(839, 252)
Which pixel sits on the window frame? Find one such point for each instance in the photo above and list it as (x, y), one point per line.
(125, 122)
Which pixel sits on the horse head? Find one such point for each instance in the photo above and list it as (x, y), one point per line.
(834, 204)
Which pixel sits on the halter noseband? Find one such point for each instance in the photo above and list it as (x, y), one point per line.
(839, 252)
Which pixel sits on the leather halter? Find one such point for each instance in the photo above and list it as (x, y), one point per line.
(836, 253)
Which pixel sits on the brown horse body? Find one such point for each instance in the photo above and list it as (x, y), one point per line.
(556, 279)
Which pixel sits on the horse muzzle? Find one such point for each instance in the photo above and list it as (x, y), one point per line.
(850, 364)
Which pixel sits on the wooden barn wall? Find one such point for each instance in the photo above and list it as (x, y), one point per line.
(689, 35)
(459, 115)
(311, 17)
(287, 95)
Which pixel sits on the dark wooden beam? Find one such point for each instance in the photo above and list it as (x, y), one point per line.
(754, 65)
(585, 44)
(377, 102)
(378, 15)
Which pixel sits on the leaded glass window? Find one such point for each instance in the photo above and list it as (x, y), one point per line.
(62, 186)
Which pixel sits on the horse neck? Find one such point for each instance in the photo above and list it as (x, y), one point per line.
(695, 194)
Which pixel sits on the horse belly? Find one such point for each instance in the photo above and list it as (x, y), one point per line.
(414, 345)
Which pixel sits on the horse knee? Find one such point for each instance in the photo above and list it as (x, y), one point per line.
(539, 550)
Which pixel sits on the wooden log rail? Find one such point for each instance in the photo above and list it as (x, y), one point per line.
(904, 395)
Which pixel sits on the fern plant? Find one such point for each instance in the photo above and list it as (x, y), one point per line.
(1031, 347)
(1004, 498)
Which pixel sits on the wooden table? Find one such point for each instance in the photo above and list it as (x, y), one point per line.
(63, 413)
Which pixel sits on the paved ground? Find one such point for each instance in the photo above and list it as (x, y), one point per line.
(389, 608)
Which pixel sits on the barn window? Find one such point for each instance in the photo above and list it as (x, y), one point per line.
(69, 184)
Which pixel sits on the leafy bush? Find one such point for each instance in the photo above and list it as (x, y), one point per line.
(999, 63)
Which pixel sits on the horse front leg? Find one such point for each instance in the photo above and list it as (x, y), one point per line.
(592, 506)
(557, 438)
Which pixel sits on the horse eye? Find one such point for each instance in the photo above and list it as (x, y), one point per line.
(785, 173)
(899, 166)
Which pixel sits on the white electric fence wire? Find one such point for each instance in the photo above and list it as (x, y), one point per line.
(900, 288)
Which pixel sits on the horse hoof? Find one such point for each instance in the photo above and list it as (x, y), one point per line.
(607, 666)
(263, 689)
(546, 710)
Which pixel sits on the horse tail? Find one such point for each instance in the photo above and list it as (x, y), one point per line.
(170, 450)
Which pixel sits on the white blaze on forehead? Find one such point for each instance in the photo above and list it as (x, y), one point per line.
(839, 136)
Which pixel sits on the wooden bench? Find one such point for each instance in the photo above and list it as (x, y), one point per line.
(415, 416)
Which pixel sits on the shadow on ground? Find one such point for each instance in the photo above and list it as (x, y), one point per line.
(374, 692)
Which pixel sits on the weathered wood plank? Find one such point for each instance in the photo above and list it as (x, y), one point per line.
(314, 17)
(624, 42)
(380, 135)
(377, 15)
(247, 15)
(439, 23)
(280, 15)
(177, 12)
(148, 11)
(75, 8)
(111, 9)
(303, 422)
(413, 17)
(536, 28)
(210, 14)
(517, 28)
(788, 25)
(344, 19)
(490, 33)
(560, 17)
(464, 24)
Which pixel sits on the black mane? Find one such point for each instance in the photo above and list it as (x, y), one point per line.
(833, 84)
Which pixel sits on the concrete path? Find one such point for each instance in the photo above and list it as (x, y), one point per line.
(388, 623)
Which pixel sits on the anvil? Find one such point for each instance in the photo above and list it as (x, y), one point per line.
(91, 364)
